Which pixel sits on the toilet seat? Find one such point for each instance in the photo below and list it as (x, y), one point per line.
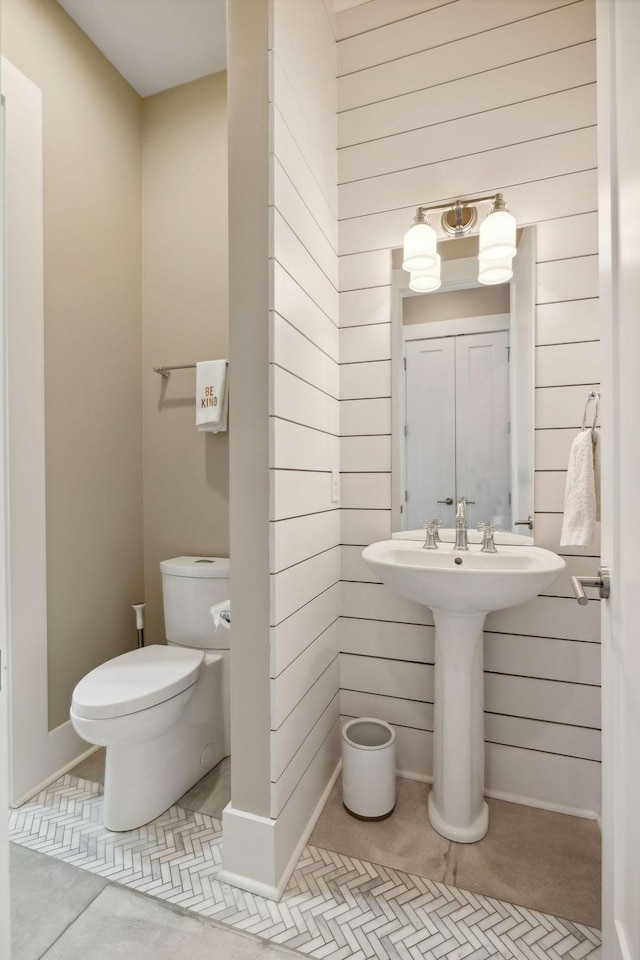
(135, 681)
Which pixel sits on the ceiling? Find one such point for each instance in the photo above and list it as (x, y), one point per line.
(156, 44)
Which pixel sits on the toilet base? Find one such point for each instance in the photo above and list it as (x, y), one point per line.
(144, 778)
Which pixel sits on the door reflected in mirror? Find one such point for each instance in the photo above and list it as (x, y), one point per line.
(463, 393)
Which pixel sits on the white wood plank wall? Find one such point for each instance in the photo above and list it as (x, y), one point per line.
(304, 337)
(440, 99)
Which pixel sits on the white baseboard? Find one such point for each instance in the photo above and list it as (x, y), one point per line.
(249, 848)
(418, 777)
(622, 941)
(517, 798)
(65, 754)
(246, 883)
(542, 804)
(249, 852)
(530, 777)
(315, 816)
(260, 854)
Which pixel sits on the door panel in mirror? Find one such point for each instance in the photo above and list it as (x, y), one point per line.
(430, 430)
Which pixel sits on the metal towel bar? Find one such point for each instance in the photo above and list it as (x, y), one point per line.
(166, 371)
(602, 581)
(593, 395)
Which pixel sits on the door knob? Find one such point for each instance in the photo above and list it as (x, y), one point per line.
(602, 581)
(448, 501)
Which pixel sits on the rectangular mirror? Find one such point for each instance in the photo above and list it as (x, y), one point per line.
(463, 393)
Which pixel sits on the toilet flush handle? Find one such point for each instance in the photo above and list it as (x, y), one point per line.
(139, 609)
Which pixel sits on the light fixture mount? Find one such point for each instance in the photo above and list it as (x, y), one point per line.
(459, 220)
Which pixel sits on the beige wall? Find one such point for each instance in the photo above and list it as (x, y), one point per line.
(456, 304)
(184, 319)
(92, 250)
(107, 291)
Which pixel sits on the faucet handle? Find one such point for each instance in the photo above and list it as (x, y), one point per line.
(431, 538)
(488, 530)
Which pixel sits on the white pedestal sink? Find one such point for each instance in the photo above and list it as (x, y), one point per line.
(461, 587)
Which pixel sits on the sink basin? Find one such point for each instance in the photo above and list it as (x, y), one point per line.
(461, 587)
(463, 582)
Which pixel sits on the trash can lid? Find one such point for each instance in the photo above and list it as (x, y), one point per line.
(367, 733)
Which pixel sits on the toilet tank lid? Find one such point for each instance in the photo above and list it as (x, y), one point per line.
(136, 680)
(208, 568)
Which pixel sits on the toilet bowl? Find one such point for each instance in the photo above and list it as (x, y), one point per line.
(162, 711)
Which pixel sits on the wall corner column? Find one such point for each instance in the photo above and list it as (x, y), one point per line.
(248, 114)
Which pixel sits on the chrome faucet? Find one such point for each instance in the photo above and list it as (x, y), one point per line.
(461, 525)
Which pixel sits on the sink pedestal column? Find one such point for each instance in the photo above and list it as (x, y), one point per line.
(457, 809)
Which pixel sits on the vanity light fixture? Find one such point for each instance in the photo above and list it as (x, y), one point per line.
(498, 232)
(497, 241)
(428, 280)
(419, 243)
(494, 271)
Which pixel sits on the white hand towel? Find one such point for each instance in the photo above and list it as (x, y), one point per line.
(596, 470)
(211, 396)
(221, 613)
(580, 494)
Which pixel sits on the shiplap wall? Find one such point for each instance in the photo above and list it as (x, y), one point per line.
(440, 99)
(304, 421)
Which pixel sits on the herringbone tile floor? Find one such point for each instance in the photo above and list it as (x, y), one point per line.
(334, 907)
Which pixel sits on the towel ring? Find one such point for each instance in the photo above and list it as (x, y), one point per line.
(594, 395)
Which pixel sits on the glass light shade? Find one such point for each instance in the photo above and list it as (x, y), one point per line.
(419, 247)
(426, 281)
(494, 271)
(498, 236)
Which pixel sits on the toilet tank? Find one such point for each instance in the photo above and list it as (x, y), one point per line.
(190, 587)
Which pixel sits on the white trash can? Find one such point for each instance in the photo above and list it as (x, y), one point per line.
(368, 768)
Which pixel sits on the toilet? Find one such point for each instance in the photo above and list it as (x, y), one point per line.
(162, 712)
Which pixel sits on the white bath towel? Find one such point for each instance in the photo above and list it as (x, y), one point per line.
(211, 396)
(221, 613)
(580, 494)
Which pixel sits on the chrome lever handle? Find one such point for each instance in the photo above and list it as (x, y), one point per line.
(524, 523)
(602, 581)
(448, 501)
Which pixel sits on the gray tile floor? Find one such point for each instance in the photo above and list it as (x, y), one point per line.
(62, 913)
(55, 907)
(334, 906)
(541, 860)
